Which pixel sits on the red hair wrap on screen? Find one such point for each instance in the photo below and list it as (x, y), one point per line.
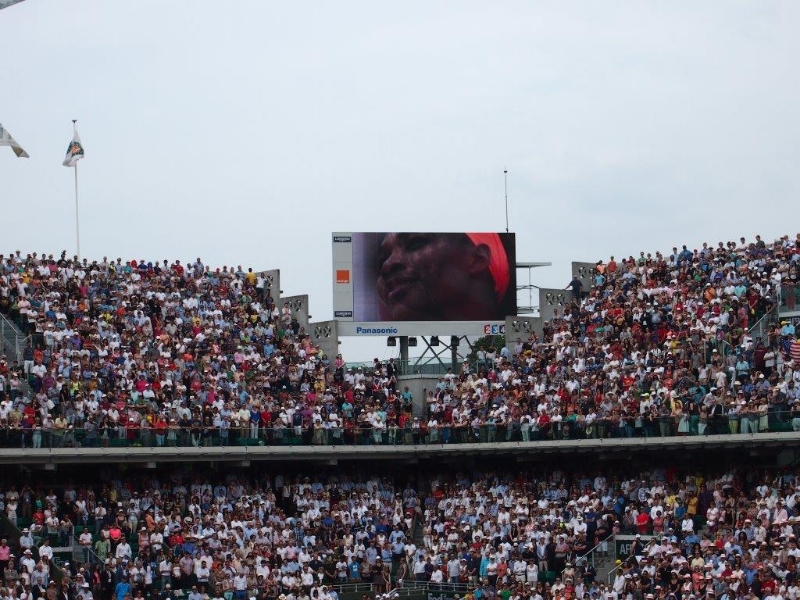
(498, 264)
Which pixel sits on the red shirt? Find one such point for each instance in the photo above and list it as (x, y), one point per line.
(642, 521)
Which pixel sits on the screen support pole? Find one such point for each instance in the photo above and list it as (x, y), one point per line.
(404, 349)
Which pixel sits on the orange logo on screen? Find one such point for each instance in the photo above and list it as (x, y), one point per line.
(342, 275)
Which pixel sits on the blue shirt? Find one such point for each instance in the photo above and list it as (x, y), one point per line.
(123, 588)
(355, 570)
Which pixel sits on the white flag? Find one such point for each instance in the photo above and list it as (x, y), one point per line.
(7, 140)
(74, 151)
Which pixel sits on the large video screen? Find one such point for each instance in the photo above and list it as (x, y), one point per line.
(443, 277)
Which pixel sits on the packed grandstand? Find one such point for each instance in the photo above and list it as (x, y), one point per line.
(162, 353)
(524, 534)
(166, 354)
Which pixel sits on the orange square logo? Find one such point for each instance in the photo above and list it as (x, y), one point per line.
(342, 275)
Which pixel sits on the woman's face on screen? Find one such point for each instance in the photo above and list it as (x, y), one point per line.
(422, 275)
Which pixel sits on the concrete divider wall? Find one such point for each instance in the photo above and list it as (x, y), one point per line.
(418, 385)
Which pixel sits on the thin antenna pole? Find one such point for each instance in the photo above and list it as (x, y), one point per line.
(505, 186)
(77, 213)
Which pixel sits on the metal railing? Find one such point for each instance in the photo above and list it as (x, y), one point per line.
(88, 555)
(425, 366)
(12, 532)
(407, 585)
(406, 588)
(126, 436)
(789, 296)
(412, 584)
(13, 340)
(761, 328)
(588, 557)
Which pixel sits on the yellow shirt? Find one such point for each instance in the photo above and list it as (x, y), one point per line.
(691, 505)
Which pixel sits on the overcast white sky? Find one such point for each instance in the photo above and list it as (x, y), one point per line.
(245, 132)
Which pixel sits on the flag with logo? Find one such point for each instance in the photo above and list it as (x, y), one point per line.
(7, 140)
(74, 151)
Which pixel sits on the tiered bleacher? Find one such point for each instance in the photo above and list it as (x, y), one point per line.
(166, 354)
(524, 534)
(163, 354)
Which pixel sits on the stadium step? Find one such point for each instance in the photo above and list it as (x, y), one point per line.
(417, 534)
(12, 344)
(604, 564)
(12, 339)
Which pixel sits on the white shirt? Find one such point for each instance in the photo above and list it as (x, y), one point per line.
(46, 553)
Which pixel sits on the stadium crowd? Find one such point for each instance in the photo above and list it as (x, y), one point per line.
(528, 535)
(172, 354)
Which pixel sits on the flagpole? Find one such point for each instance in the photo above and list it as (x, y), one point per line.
(77, 214)
(505, 188)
